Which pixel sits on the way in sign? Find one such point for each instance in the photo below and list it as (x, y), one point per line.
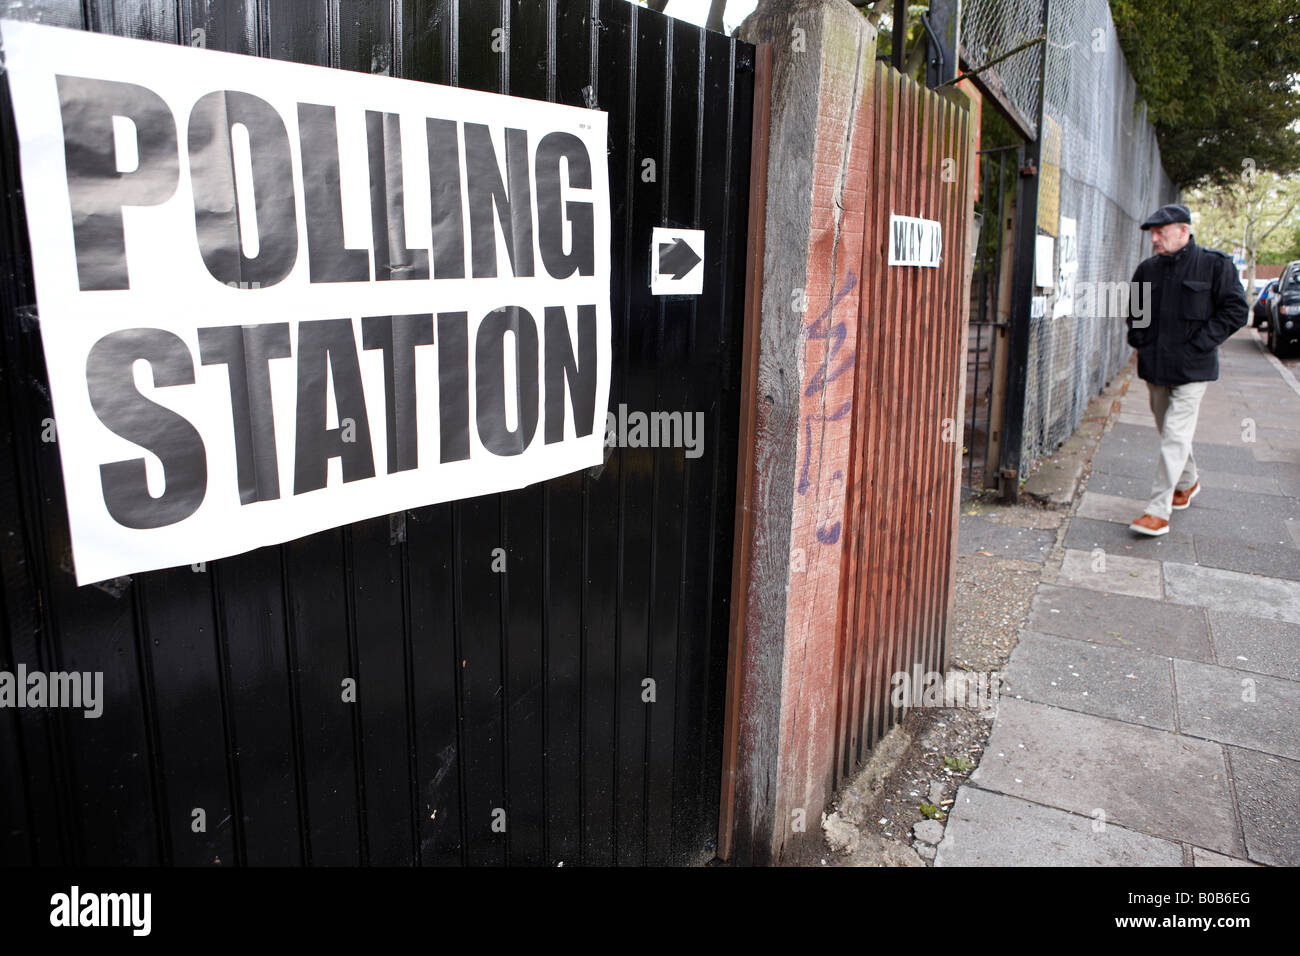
(915, 242)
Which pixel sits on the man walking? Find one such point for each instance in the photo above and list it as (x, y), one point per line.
(1195, 302)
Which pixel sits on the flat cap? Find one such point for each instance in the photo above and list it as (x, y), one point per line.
(1167, 214)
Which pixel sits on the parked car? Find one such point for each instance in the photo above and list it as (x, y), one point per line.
(1284, 312)
(1261, 309)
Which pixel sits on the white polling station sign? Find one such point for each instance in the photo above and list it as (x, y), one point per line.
(276, 298)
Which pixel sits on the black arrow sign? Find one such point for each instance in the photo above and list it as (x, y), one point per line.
(677, 258)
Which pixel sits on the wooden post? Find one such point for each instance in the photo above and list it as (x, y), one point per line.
(778, 764)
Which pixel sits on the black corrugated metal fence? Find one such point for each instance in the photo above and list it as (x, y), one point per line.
(479, 694)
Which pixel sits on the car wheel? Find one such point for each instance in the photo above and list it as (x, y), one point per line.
(1280, 347)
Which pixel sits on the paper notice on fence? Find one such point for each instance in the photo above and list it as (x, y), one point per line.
(1044, 262)
(276, 299)
(1068, 270)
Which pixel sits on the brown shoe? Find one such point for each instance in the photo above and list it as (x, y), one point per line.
(1183, 498)
(1150, 525)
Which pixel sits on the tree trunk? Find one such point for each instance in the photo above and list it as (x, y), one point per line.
(716, 8)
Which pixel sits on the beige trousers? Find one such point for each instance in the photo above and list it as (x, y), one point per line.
(1175, 409)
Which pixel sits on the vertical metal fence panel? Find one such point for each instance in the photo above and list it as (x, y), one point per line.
(989, 316)
(649, 58)
(722, 153)
(899, 556)
(477, 690)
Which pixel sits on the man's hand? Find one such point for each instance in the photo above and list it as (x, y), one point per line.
(1230, 308)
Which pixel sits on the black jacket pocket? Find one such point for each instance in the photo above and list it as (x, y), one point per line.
(1196, 302)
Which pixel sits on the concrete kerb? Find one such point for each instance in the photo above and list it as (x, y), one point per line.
(1066, 495)
(1273, 360)
(1059, 479)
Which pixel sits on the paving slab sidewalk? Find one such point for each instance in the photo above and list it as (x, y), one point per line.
(1150, 712)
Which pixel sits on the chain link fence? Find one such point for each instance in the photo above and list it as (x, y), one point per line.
(992, 31)
(1100, 178)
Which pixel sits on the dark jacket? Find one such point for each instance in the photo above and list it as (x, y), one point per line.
(1195, 302)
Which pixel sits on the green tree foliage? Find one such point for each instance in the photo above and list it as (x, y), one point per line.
(1289, 251)
(1258, 209)
(1221, 80)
